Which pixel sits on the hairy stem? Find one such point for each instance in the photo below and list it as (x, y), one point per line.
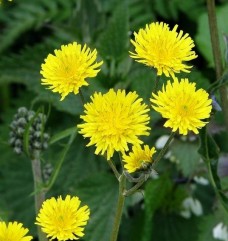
(39, 194)
(217, 56)
(119, 209)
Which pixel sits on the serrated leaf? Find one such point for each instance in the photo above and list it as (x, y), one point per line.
(114, 40)
(99, 192)
(174, 228)
(155, 192)
(187, 155)
(203, 39)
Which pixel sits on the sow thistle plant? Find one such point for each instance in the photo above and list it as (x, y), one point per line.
(113, 122)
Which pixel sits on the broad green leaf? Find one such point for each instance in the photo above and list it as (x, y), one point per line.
(203, 39)
(167, 9)
(206, 226)
(114, 41)
(142, 81)
(16, 188)
(191, 8)
(174, 228)
(99, 191)
(187, 155)
(155, 192)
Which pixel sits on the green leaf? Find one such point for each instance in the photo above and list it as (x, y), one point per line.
(61, 135)
(192, 9)
(206, 226)
(27, 15)
(99, 192)
(174, 228)
(114, 41)
(167, 9)
(187, 155)
(59, 163)
(203, 39)
(208, 148)
(210, 154)
(142, 81)
(155, 192)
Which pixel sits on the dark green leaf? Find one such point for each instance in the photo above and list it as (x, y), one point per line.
(99, 192)
(210, 154)
(187, 155)
(113, 42)
(155, 193)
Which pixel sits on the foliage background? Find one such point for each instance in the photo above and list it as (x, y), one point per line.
(29, 31)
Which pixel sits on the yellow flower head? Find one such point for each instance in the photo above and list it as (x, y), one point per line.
(63, 219)
(67, 70)
(113, 120)
(14, 231)
(139, 158)
(164, 49)
(183, 106)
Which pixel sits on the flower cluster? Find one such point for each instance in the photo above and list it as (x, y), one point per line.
(116, 119)
(24, 119)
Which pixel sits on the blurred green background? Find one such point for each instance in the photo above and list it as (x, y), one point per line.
(29, 31)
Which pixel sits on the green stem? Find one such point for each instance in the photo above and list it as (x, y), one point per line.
(163, 150)
(113, 167)
(217, 56)
(39, 195)
(119, 209)
(134, 179)
(136, 187)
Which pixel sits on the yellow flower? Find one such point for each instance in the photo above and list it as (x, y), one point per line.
(183, 106)
(67, 70)
(63, 219)
(113, 120)
(139, 159)
(164, 49)
(14, 231)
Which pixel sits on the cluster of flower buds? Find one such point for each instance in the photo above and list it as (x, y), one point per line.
(47, 171)
(23, 119)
